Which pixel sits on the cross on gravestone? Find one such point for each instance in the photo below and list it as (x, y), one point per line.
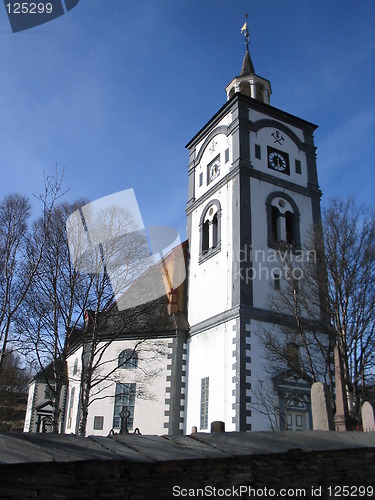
(124, 415)
(322, 415)
(368, 422)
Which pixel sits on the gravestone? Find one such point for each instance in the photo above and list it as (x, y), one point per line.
(321, 408)
(217, 426)
(368, 422)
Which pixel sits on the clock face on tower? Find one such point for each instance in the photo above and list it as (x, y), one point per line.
(214, 169)
(278, 160)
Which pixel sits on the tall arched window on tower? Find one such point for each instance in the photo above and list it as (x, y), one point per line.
(275, 223)
(282, 221)
(289, 228)
(215, 223)
(205, 237)
(210, 230)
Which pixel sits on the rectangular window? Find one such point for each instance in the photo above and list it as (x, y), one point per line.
(204, 402)
(98, 423)
(71, 403)
(200, 178)
(125, 396)
(226, 155)
(257, 151)
(298, 167)
(48, 392)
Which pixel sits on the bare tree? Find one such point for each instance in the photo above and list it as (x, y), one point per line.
(114, 249)
(329, 300)
(17, 264)
(306, 346)
(105, 370)
(349, 241)
(14, 215)
(88, 259)
(56, 302)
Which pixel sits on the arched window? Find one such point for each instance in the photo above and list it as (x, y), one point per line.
(75, 367)
(128, 359)
(275, 222)
(205, 237)
(214, 230)
(232, 92)
(289, 226)
(210, 230)
(282, 220)
(245, 88)
(260, 92)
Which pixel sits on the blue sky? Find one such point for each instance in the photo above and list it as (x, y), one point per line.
(113, 91)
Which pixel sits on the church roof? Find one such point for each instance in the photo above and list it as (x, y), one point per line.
(147, 320)
(247, 65)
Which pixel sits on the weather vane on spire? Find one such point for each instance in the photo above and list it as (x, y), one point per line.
(244, 30)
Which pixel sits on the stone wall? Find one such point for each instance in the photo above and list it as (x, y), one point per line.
(149, 467)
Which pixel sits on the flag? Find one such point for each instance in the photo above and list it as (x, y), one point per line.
(244, 27)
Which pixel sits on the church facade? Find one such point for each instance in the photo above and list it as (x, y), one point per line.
(253, 189)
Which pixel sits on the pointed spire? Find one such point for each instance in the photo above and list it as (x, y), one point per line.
(247, 65)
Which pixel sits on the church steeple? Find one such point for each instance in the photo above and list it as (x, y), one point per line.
(247, 65)
(248, 82)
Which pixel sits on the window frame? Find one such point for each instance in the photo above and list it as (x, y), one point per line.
(131, 359)
(205, 389)
(210, 231)
(295, 244)
(124, 396)
(98, 424)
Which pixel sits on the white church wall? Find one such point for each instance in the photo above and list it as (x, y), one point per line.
(217, 146)
(74, 364)
(262, 369)
(210, 354)
(264, 138)
(29, 408)
(225, 121)
(255, 116)
(150, 380)
(210, 282)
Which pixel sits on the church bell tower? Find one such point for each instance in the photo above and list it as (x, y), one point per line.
(252, 187)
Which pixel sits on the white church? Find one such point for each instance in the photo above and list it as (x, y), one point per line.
(252, 185)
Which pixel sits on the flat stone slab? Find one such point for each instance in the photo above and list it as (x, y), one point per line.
(202, 449)
(160, 448)
(40, 448)
(14, 448)
(121, 450)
